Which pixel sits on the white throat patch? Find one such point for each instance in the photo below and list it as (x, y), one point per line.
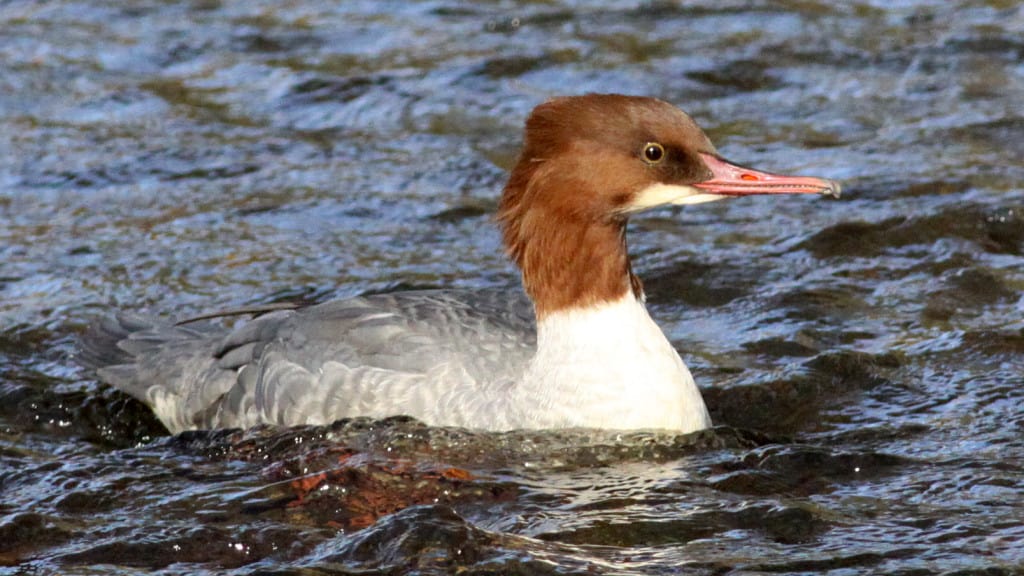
(663, 194)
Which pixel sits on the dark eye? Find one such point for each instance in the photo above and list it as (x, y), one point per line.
(654, 152)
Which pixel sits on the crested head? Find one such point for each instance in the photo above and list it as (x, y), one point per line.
(594, 154)
(590, 161)
(584, 162)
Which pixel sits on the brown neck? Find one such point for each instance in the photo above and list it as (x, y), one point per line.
(568, 262)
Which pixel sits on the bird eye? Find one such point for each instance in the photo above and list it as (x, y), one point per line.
(654, 152)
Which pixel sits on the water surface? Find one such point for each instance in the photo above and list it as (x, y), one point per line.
(863, 358)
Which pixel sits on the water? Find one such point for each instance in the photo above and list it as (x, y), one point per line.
(863, 358)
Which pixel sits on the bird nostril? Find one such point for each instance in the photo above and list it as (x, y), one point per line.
(748, 177)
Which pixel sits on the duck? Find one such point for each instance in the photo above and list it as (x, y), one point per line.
(575, 347)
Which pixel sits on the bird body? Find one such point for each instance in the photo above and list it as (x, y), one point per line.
(575, 348)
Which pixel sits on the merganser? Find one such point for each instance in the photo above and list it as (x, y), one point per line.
(585, 354)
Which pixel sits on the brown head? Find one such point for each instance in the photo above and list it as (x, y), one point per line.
(590, 161)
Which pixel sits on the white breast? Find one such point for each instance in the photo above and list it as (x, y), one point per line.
(608, 366)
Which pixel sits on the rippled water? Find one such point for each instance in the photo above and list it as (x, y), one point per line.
(864, 358)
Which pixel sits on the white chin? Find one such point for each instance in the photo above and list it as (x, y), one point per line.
(698, 199)
(669, 194)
